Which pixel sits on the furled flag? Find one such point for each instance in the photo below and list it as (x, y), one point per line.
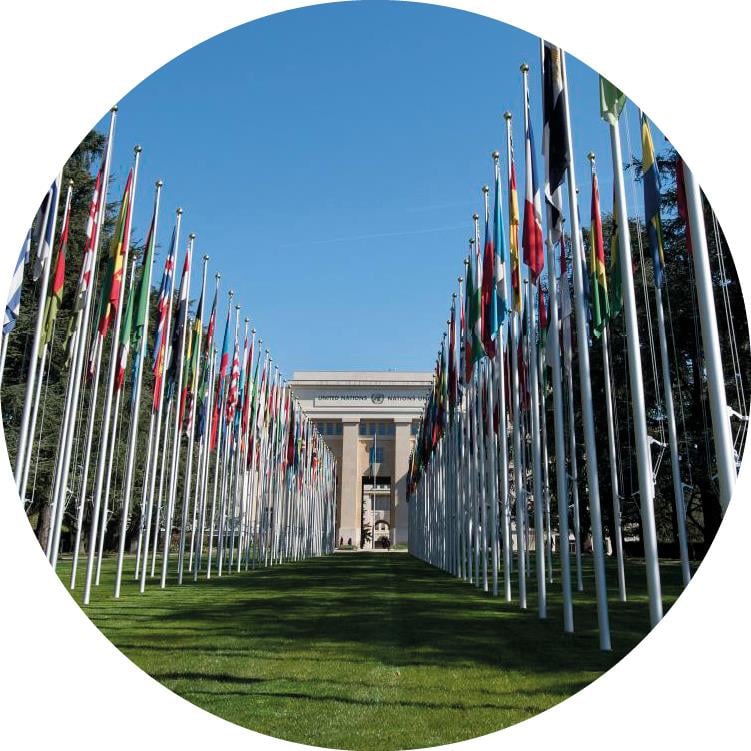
(680, 188)
(178, 326)
(488, 296)
(651, 180)
(203, 388)
(46, 229)
(452, 382)
(532, 242)
(513, 213)
(499, 246)
(616, 291)
(223, 366)
(462, 354)
(87, 263)
(612, 101)
(466, 325)
(163, 312)
(13, 305)
(55, 292)
(474, 320)
(118, 253)
(125, 338)
(564, 291)
(599, 282)
(141, 300)
(554, 141)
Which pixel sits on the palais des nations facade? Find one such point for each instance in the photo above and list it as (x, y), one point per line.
(370, 422)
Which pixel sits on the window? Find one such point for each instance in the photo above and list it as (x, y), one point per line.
(415, 427)
(376, 454)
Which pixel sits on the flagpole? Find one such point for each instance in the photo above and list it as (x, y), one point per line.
(133, 438)
(161, 363)
(23, 436)
(172, 492)
(535, 407)
(586, 388)
(60, 486)
(108, 397)
(644, 459)
(189, 469)
(111, 450)
(724, 451)
(42, 362)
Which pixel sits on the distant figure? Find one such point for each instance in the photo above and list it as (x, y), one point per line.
(386, 543)
(349, 541)
(341, 542)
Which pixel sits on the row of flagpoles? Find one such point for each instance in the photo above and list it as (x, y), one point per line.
(508, 348)
(232, 462)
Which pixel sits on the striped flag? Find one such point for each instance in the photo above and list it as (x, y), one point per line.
(125, 337)
(47, 221)
(513, 213)
(178, 325)
(616, 292)
(651, 180)
(600, 306)
(234, 380)
(163, 311)
(532, 244)
(499, 246)
(55, 292)
(13, 305)
(488, 296)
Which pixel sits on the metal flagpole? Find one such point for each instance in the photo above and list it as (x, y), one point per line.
(644, 460)
(172, 493)
(48, 231)
(42, 362)
(724, 453)
(60, 486)
(535, 405)
(111, 452)
(164, 456)
(134, 417)
(585, 387)
(189, 469)
(104, 439)
(162, 382)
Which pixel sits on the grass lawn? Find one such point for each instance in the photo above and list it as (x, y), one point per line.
(365, 650)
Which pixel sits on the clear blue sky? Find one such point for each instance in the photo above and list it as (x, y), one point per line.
(329, 160)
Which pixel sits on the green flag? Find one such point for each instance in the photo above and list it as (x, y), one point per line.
(614, 268)
(612, 101)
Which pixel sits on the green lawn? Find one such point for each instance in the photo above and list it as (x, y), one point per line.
(364, 650)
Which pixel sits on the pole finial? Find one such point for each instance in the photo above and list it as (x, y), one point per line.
(192, 236)
(485, 189)
(524, 67)
(114, 108)
(507, 115)
(460, 279)
(253, 331)
(217, 276)
(159, 184)
(205, 258)
(475, 216)
(591, 156)
(179, 211)
(496, 155)
(137, 149)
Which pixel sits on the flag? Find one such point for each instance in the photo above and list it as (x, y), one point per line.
(125, 338)
(55, 292)
(46, 220)
(488, 296)
(466, 325)
(118, 252)
(680, 187)
(554, 141)
(474, 321)
(163, 311)
(612, 101)
(513, 213)
(499, 246)
(532, 243)
(599, 282)
(13, 305)
(452, 375)
(223, 365)
(615, 301)
(178, 326)
(651, 180)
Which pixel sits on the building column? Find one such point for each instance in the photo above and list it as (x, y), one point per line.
(349, 516)
(401, 468)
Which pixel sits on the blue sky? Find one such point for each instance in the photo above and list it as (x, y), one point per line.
(329, 160)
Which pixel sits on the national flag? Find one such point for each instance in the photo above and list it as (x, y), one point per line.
(466, 326)
(554, 141)
(513, 212)
(223, 366)
(118, 252)
(488, 296)
(616, 292)
(163, 312)
(55, 292)
(612, 101)
(680, 189)
(599, 282)
(499, 246)
(125, 338)
(13, 305)
(474, 320)
(46, 222)
(179, 319)
(532, 242)
(651, 180)
(452, 375)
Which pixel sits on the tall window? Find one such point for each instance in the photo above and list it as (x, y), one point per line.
(376, 454)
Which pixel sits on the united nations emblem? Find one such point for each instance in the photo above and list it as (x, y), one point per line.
(377, 398)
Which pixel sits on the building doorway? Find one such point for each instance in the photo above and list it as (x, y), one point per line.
(376, 521)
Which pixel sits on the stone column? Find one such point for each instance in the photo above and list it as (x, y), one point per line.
(349, 518)
(401, 467)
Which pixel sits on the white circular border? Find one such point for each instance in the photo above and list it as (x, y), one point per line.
(64, 685)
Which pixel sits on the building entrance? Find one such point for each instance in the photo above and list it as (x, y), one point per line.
(376, 518)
